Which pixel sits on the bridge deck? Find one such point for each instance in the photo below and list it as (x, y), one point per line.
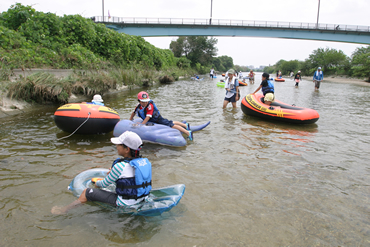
(231, 23)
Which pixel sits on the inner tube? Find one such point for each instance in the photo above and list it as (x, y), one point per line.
(159, 200)
(92, 119)
(155, 133)
(253, 105)
(220, 84)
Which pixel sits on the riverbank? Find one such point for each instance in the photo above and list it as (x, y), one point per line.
(27, 88)
(341, 79)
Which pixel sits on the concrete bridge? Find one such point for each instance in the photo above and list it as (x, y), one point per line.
(156, 27)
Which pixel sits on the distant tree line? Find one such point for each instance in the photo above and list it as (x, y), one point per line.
(332, 61)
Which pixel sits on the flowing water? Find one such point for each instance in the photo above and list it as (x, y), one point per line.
(248, 181)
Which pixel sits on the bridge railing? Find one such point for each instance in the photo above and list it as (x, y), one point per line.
(231, 23)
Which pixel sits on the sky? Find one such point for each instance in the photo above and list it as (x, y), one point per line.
(244, 50)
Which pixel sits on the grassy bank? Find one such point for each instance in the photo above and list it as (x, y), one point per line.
(44, 87)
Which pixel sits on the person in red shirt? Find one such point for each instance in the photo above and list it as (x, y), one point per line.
(148, 111)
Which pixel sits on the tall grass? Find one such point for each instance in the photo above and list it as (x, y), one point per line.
(44, 87)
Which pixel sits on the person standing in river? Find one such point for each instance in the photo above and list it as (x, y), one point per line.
(211, 73)
(297, 78)
(232, 89)
(318, 76)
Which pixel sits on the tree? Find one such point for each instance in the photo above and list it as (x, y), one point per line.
(16, 15)
(361, 62)
(328, 59)
(198, 49)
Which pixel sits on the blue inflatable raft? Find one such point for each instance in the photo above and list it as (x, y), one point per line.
(155, 133)
(159, 200)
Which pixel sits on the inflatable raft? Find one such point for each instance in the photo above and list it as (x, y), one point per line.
(159, 200)
(241, 83)
(253, 105)
(221, 84)
(93, 119)
(280, 79)
(155, 133)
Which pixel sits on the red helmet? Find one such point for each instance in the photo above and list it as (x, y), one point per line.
(143, 96)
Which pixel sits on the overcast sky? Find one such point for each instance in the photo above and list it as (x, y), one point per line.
(244, 50)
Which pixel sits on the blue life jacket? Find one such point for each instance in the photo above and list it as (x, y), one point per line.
(138, 186)
(95, 103)
(269, 88)
(142, 113)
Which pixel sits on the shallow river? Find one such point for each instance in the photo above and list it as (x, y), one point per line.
(248, 181)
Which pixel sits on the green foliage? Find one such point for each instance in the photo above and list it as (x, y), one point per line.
(183, 62)
(361, 62)
(330, 60)
(37, 39)
(223, 63)
(198, 49)
(241, 68)
(16, 15)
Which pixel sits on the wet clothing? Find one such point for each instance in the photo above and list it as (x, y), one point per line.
(98, 195)
(231, 99)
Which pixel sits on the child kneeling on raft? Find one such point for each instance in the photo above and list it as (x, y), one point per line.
(148, 111)
(132, 175)
(267, 90)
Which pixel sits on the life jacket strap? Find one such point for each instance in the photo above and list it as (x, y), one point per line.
(143, 185)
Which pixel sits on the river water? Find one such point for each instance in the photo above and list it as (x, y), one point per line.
(249, 182)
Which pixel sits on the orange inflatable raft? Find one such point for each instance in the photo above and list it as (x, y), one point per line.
(280, 79)
(241, 83)
(253, 105)
(89, 118)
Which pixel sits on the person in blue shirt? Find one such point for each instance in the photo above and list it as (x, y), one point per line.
(318, 76)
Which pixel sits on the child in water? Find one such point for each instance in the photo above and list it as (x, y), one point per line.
(132, 175)
(148, 111)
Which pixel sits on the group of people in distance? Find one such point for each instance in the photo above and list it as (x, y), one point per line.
(268, 90)
(318, 76)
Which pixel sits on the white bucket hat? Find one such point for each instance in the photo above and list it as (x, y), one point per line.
(97, 98)
(128, 138)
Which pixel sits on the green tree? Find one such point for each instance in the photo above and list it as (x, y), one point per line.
(330, 60)
(16, 15)
(361, 62)
(198, 49)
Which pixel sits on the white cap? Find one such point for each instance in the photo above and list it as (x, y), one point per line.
(97, 98)
(299, 71)
(319, 68)
(128, 138)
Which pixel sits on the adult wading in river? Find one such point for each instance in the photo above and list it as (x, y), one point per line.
(232, 89)
(318, 76)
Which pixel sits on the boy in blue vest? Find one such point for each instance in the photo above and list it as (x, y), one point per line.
(267, 89)
(132, 175)
(148, 111)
